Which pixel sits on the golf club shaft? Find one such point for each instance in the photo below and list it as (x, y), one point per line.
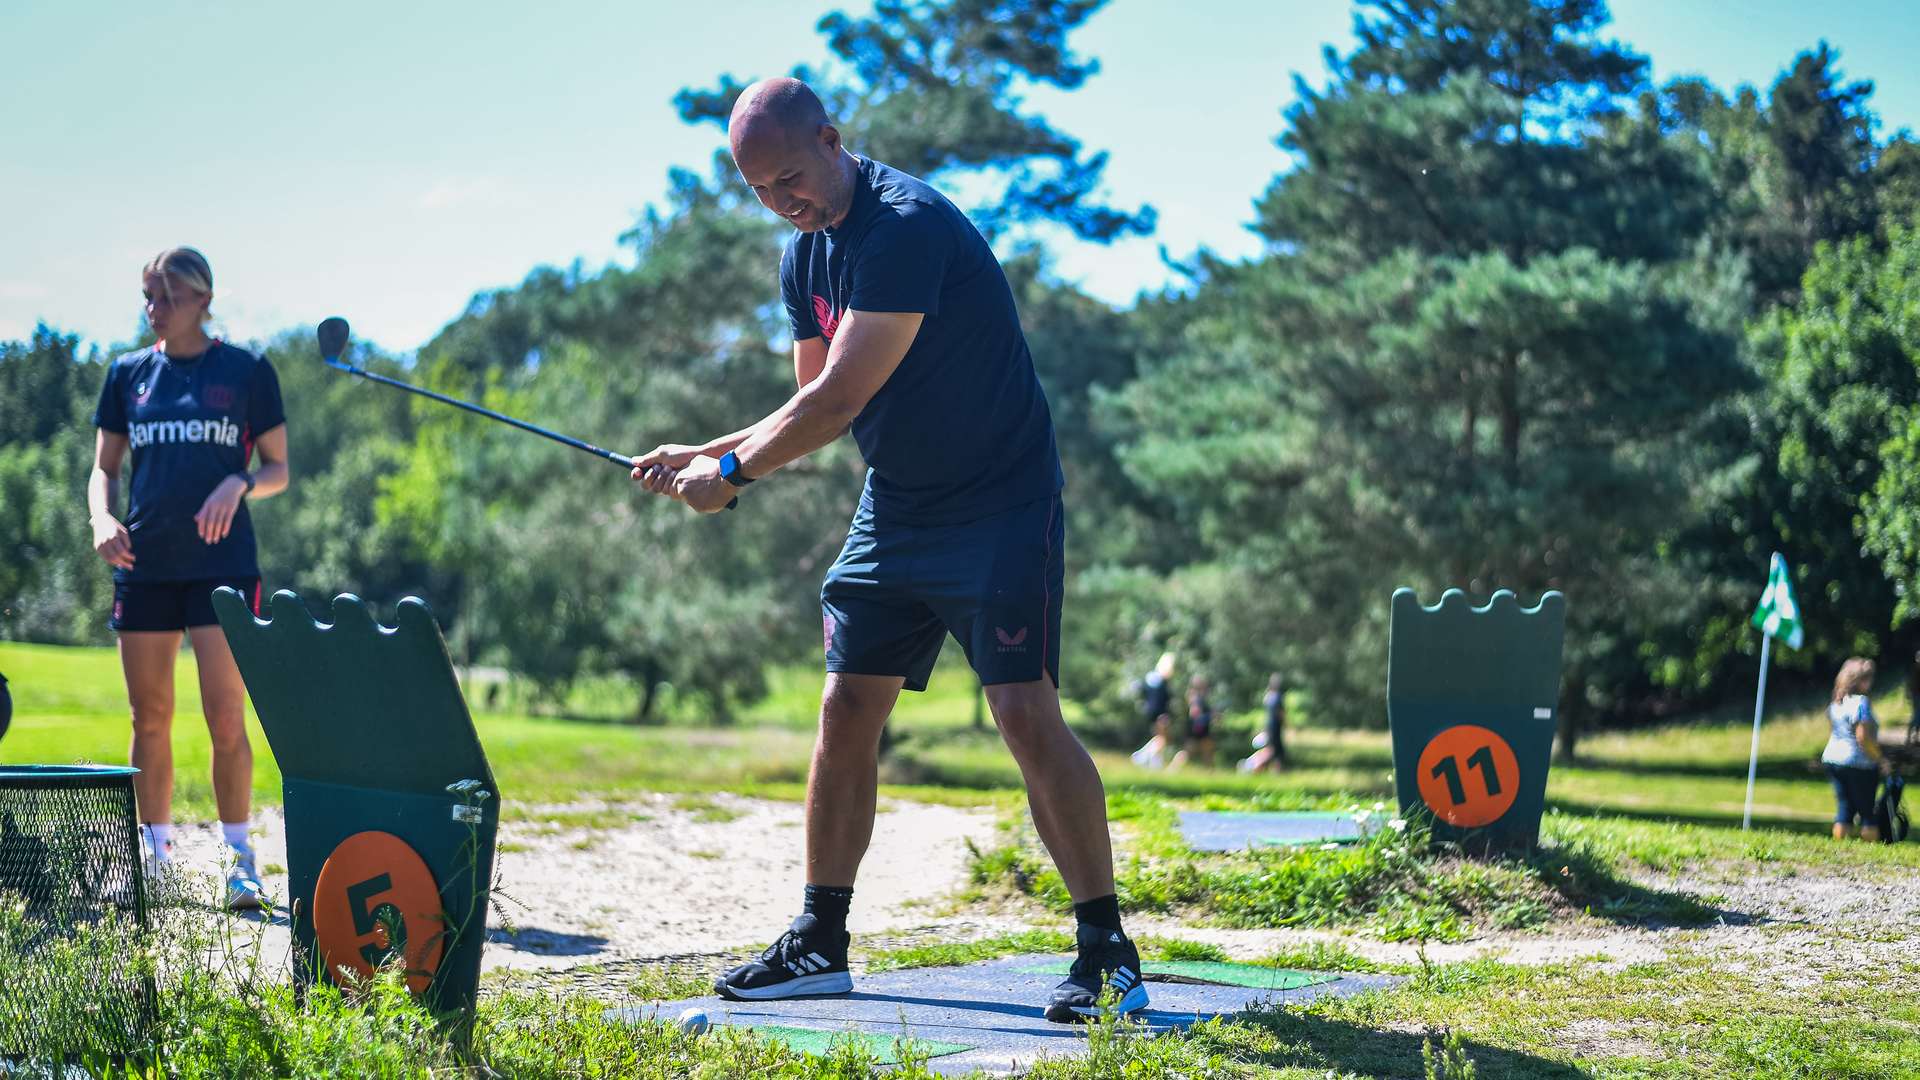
(621, 460)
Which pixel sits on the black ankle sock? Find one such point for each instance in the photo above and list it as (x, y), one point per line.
(1101, 911)
(828, 905)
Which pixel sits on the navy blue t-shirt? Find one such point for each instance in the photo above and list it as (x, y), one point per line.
(961, 429)
(190, 423)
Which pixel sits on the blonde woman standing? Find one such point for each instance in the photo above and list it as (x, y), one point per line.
(1852, 756)
(191, 412)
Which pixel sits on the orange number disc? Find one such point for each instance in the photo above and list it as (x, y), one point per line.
(1468, 776)
(375, 899)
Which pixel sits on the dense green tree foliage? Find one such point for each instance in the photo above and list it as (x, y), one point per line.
(1522, 320)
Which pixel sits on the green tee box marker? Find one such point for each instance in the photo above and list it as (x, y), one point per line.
(1211, 972)
(1471, 698)
(886, 1049)
(391, 808)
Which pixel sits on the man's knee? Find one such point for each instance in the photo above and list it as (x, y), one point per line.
(853, 710)
(1028, 714)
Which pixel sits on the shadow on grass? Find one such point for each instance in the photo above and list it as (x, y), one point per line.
(1314, 1042)
(928, 766)
(532, 939)
(1587, 880)
(1798, 767)
(1727, 820)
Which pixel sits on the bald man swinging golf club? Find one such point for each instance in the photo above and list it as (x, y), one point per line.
(905, 330)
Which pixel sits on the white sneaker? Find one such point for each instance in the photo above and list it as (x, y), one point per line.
(158, 864)
(243, 886)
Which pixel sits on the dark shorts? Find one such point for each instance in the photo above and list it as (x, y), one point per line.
(994, 584)
(146, 606)
(1200, 727)
(1854, 791)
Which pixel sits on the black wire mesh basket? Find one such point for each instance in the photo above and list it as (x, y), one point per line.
(74, 979)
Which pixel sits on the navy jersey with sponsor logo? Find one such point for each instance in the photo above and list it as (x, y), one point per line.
(961, 429)
(190, 423)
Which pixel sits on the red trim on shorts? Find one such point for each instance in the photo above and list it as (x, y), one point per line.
(255, 599)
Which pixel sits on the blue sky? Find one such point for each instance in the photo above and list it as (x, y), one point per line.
(387, 161)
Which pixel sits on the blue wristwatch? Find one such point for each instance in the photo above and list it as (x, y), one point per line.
(730, 470)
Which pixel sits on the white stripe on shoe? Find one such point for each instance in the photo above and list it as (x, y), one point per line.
(832, 982)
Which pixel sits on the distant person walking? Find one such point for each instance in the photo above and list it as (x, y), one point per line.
(1270, 749)
(1852, 756)
(191, 411)
(6, 707)
(1199, 744)
(1156, 708)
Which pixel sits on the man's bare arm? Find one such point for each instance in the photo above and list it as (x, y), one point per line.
(865, 352)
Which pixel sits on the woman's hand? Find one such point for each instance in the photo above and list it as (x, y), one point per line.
(215, 518)
(111, 541)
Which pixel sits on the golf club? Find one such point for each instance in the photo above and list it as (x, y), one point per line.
(333, 332)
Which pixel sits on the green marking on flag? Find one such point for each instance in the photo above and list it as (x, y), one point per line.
(1778, 615)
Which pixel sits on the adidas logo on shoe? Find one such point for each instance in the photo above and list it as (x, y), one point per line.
(808, 964)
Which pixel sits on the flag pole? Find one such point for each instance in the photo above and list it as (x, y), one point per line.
(1759, 704)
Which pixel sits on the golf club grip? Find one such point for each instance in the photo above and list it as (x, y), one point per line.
(731, 503)
(621, 460)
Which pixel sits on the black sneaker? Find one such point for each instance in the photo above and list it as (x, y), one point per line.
(1107, 960)
(806, 960)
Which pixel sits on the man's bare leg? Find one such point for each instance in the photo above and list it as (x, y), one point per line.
(845, 776)
(1064, 791)
(811, 957)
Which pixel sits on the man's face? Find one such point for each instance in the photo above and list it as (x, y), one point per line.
(801, 179)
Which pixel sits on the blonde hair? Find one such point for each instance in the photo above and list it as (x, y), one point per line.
(1856, 677)
(184, 265)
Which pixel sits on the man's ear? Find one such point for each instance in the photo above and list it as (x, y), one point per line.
(830, 139)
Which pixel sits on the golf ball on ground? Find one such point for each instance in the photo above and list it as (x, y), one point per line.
(694, 1022)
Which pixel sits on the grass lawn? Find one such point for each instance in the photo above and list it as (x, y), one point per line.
(1779, 996)
(70, 706)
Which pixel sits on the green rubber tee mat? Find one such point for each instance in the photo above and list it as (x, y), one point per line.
(992, 1009)
(1219, 830)
(886, 1049)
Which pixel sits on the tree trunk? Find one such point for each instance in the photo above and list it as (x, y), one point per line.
(648, 696)
(1567, 736)
(1510, 413)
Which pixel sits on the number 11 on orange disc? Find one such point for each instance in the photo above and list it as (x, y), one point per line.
(1468, 776)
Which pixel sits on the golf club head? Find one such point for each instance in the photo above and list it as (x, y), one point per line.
(333, 339)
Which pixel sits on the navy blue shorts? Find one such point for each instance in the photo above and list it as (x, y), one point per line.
(994, 584)
(148, 606)
(1855, 790)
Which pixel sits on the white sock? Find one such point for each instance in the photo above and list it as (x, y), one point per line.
(235, 833)
(159, 841)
